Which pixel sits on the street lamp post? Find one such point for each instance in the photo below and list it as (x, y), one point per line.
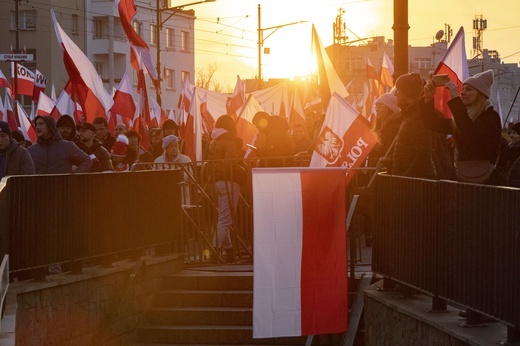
(160, 22)
(261, 41)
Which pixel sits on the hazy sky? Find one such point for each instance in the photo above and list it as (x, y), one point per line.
(226, 30)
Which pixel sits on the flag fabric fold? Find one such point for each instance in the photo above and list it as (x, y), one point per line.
(88, 86)
(25, 78)
(455, 65)
(300, 285)
(25, 125)
(124, 103)
(330, 82)
(40, 82)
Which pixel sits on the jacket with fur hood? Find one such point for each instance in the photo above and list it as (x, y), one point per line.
(56, 155)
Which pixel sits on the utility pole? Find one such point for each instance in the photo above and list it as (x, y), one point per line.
(401, 28)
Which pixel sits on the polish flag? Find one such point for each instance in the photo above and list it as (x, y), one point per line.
(124, 103)
(40, 82)
(45, 105)
(4, 83)
(8, 115)
(387, 71)
(25, 77)
(139, 50)
(187, 91)
(192, 135)
(208, 122)
(244, 123)
(300, 281)
(297, 116)
(64, 106)
(53, 93)
(25, 125)
(142, 118)
(237, 99)
(455, 65)
(88, 86)
(346, 137)
(330, 82)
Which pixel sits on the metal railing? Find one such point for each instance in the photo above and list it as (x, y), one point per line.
(49, 219)
(457, 242)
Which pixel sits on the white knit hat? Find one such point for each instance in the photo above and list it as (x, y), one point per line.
(482, 82)
(389, 100)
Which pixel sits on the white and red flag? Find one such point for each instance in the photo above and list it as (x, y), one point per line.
(40, 82)
(4, 83)
(25, 125)
(346, 137)
(88, 86)
(45, 105)
(455, 65)
(8, 116)
(139, 50)
(244, 123)
(300, 281)
(387, 71)
(237, 99)
(329, 80)
(124, 103)
(25, 78)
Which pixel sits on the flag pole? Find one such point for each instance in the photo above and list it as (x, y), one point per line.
(511, 108)
(243, 107)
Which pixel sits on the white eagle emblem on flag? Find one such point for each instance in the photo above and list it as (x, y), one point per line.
(329, 145)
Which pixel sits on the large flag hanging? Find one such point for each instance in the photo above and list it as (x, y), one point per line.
(25, 125)
(40, 82)
(329, 80)
(387, 71)
(300, 282)
(139, 50)
(25, 79)
(124, 103)
(345, 138)
(455, 64)
(245, 127)
(88, 86)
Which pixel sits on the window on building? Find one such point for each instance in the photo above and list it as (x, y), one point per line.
(75, 24)
(170, 38)
(99, 66)
(100, 27)
(423, 63)
(185, 41)
(26, 20)
(153, 34)
(138, 27)
(184, 75)
(170, 78)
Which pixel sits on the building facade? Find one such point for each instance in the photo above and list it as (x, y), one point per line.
(94, 25)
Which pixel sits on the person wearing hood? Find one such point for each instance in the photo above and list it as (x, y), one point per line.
(67, 128)
(52, 154)
(14, 158)
(226, 149)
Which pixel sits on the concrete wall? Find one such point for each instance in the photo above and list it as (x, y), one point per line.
(101, 307)
(392, 319)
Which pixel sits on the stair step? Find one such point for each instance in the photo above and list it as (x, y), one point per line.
(197, 280)
(199, 298)
(214, 335)
(201, 316)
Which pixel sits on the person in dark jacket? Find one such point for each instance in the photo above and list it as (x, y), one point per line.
(52, 154)
(14, 158)
(475, 126)
(67, 128)
(412, 154)
(226, 148)
(169, 127)
(101, 159)
(278, 143)
(102, 133)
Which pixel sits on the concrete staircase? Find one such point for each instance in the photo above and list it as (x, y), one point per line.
(212, 305)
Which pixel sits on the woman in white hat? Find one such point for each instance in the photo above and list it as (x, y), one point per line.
(475, 126)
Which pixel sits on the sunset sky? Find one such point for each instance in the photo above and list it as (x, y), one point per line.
(226, 30)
